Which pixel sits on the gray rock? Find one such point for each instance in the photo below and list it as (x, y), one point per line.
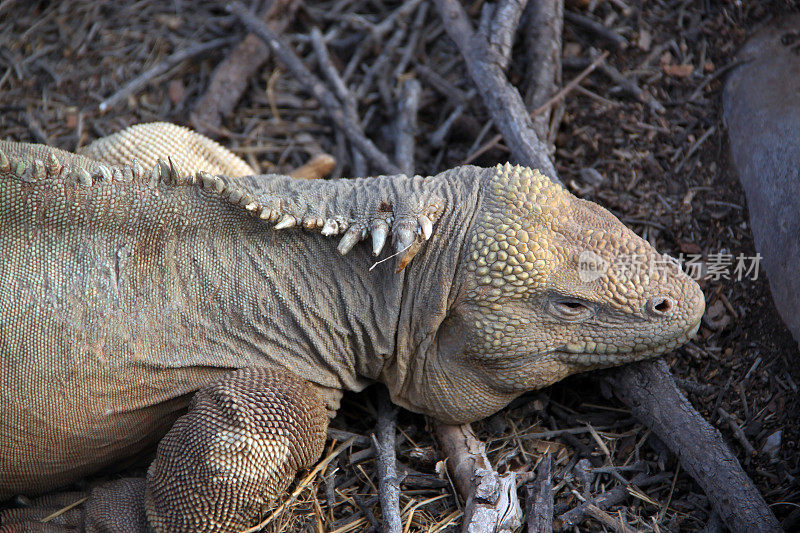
(761, 104)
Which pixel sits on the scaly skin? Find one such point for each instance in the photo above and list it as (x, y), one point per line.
(125, 290)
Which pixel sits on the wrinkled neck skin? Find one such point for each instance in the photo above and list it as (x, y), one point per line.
(287, 297)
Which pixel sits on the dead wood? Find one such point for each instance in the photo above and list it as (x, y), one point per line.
(232, 75)
(606, 499)
(314, 85)
(388, 482)
(163, 66)
(627, 85)
(539, 499)
(407, 125)
(491, 503)
(503, 28)
(501, 98)
(611, 38)
(543, 25)
(650, 392)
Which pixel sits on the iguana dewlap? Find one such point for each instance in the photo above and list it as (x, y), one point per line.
(126, 288)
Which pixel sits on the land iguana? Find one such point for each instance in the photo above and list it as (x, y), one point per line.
(151, 269)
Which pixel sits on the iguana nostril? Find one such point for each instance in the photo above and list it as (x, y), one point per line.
(660, 305)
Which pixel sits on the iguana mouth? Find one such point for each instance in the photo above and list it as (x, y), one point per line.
(600, 354)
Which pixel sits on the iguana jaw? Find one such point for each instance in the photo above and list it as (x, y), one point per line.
(593, 355)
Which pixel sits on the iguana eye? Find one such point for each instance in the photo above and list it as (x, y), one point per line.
(570, 309)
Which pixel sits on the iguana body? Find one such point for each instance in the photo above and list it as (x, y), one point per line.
(126, 290)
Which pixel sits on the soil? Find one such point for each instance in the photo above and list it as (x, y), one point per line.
(665, 174)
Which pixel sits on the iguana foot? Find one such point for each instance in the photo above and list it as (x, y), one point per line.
(117, 506)
(235, 451)
(319, 206)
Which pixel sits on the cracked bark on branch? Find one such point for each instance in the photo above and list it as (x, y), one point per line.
(659, 405)
(231, 76)
(503, 27)
(314, 85)
(491, 503)
(539, 505)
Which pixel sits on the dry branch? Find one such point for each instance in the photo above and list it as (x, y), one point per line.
(314, 85)
(232, 75)
(407, 125)
(491, 503)
(142, 79)
(504, 102)
(503, 28)
(614, 39)
(539, 505)
(650, 392)
(544, 22)
(388, 482)
(605, 500)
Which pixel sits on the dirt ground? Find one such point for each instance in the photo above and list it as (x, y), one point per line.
(665, 173)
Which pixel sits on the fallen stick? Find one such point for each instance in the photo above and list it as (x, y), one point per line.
(230, 78)
(503, 27)
(500, 97)
(543, 25)
(388, 482)
(607, 499)
(407, 125)
(613, 38)
(491, 504)
(648, 389)
(142, 79)
(539, 504)
(314, 85)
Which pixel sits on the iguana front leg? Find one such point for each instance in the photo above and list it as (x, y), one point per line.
(218, 468)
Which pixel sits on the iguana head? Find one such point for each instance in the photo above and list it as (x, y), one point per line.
(551, 285)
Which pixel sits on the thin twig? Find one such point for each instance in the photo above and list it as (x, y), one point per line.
(612, 37)
(178, 57)
(315, 86)
(388, 482)
(607, 499)
(737, 432)
(407, 125)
